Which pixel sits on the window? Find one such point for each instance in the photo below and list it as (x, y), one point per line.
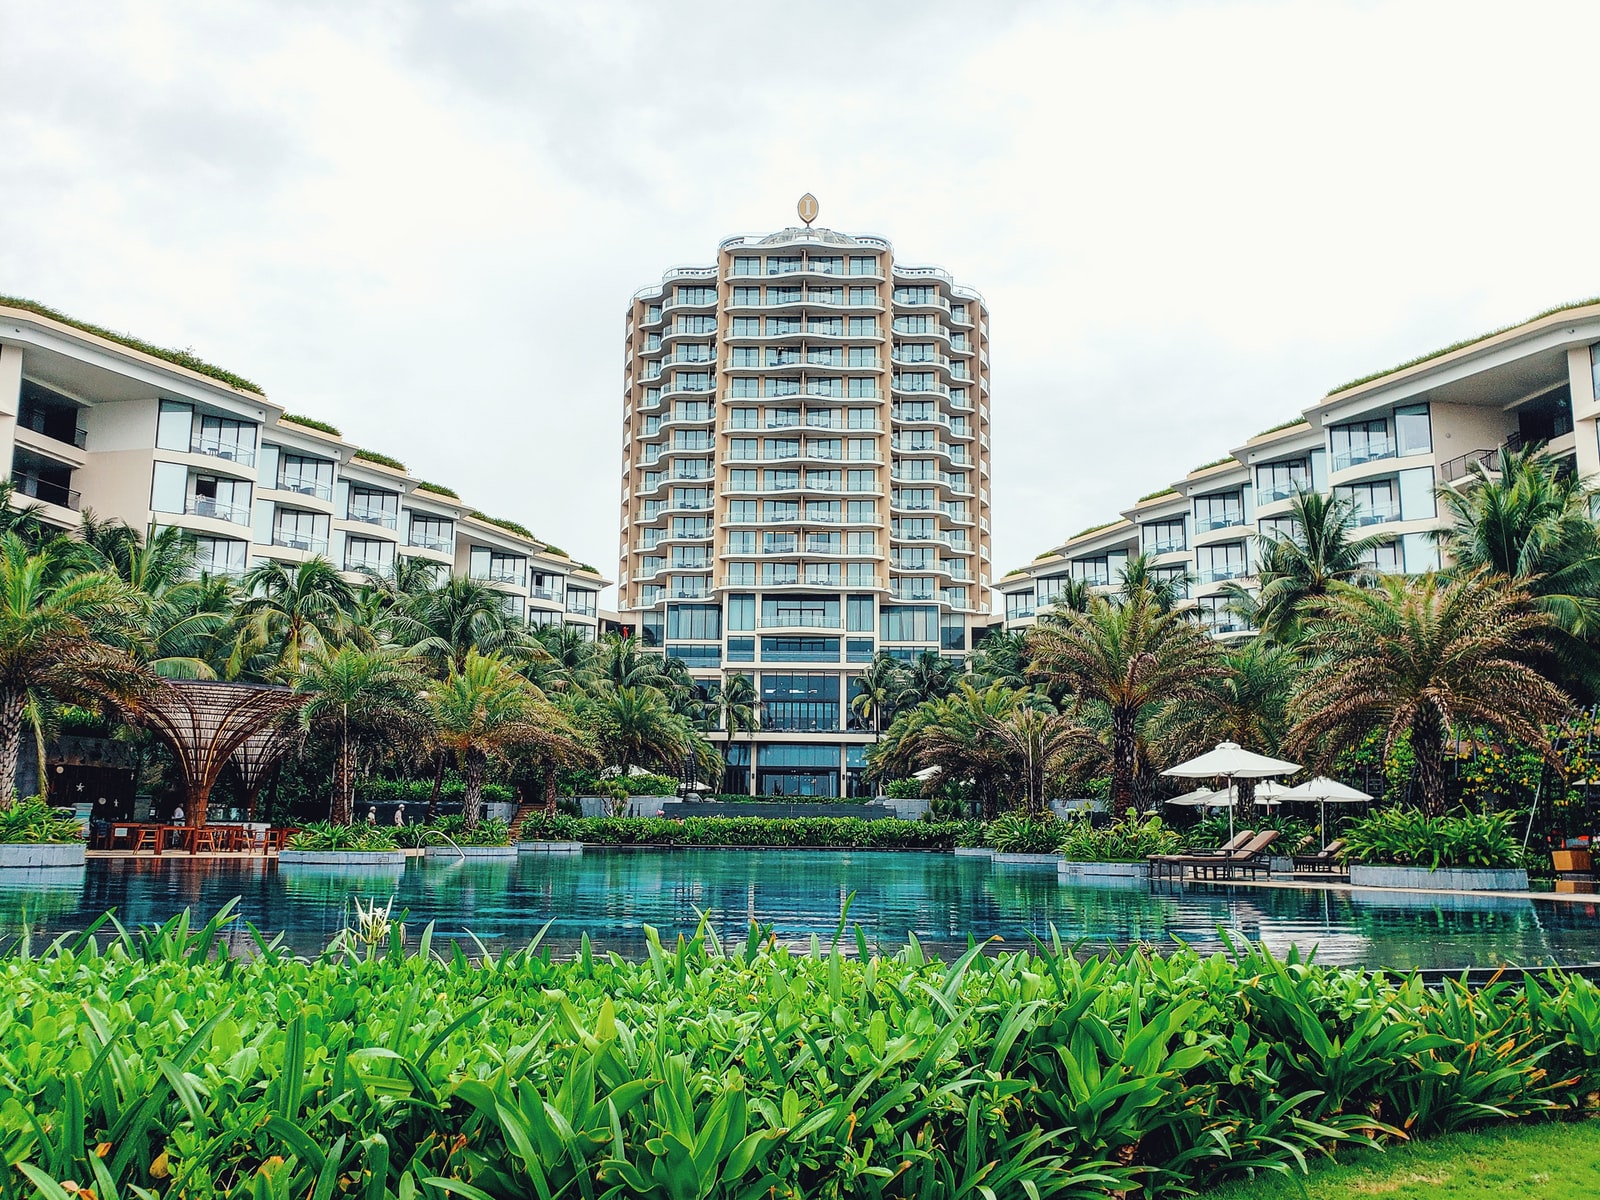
(741, 510)
(952, 633)
(863, 265)
(373, 507)
(745, 326)
(651, 628)
(696, 657)
(919, 529)
(1385, 559)
(800, 649)
(497, 567)
(1019, 605)
(741, 541)
(861, 387)
(1216, 616)
(1096, 572)
(232, 440)
(863, 327)
(1370, 503)
(781, 481)
(220, 556)
(697, 295)
(1279, 481)
(694, 622)
(1218, 563)
(746, 356)
(432, 533)
(858, 650)
(779, 574)
(744, 388)
(582, 601)
(741, 612)
(825, 481)
(859, 614)
(782, 418)
(800, 612)
(1416, 494)
(297, 530)
(1177, 578)
(825, 295)
(783, 295)
(861, 512)
(904, 623)
(825, 325)
(1049, 590)
(744, 418)
(174, 426)
(307, 476)
(741, 574)
(781, 510)
(697, 323)
(547, 585)
(1412, 432)
(829, 387)
(864, 295)
(807, 703)
(781, 448)
(1218, 512)
(691, 381)
(747, 265)
(1360, 442)
(741, 650)
(1160, 537)
(1421, 553)
(859, 575)
(741, 447)
(368, 554)
(213, 496)
(1278, 528)
(687, 587)
(798, 770)
(822, 510)
(690, 527)
(652, 314)
(782, 326)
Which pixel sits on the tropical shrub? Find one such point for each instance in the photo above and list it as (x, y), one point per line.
(324, 835)
(34, 821)
(1024, 833)
(1214, 830)
(1406, 837)
(1128, 840)
(417, 792)
(797, 832)
(491, 831)
(163, 1066)
(592, 783)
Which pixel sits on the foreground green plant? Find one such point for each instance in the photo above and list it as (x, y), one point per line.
(1407, 837)
(161, 1066)
(1023, 833)
(326, 836)
(34, 821)
(1129, 840)
(797, 832)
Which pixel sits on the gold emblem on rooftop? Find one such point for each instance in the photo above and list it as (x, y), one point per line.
(807, 208)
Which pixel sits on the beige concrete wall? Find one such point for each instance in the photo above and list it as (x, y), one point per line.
(1462, 428)
(10, 399)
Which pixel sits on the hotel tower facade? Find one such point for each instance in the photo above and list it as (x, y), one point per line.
(805, 464)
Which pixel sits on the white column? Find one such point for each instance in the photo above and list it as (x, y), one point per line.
(1585, 411)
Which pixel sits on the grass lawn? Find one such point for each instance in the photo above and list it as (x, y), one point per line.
(1546, 1161)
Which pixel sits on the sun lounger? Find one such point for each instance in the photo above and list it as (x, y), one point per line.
(1161, 864)
(1324, 860)
(1250, 857)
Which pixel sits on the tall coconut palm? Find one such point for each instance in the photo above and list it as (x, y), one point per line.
(1000, 657)
(57, 626)
(1167, 588)
(1293, 570)
(288, 613)
(570, 658)
(736, 706)
(1421, 657)
(1126, 655)
(1530, 522)
(482, 711)
(928, 676)
(363, 701)
(878, 690)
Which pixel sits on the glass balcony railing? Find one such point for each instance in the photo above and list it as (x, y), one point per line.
(35, 488)
(1168, 546)
(1371, 452)
(1376, 516)
(245, 456)
(301, 486)
(440, 545)
(295, 541)
(374, 516)
(1227, 521)
(1223, 574)
(210, 506)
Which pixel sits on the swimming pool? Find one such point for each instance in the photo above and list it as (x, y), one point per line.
(611, 894)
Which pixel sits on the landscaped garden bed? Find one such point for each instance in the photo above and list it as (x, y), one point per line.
(32, 834)
(838, 833)
(1399, 848)
(159, 1063)
(356, 847)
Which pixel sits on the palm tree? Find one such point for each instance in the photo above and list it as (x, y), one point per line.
(181, 616)
(929, 676)
(1126, 655)
(365, 701)
(1420, 657)
(1531, 523)
(445, 624)
(1072, 595)
(638, 728)
(878, 690)
(1247, 703)
(289, 613)
(56, 626)
(1168, 589)
(1000, 657)
(736, 706)
(483, 710)
(1305, 565)
(570, 658)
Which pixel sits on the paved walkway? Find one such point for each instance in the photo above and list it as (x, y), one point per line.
(1343, 885)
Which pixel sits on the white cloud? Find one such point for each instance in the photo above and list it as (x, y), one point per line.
(1189, 220)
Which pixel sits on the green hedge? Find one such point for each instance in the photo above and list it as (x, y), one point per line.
(417, 791)
(592, 783)
(324, 835)
(163, 1066)
(842, 832)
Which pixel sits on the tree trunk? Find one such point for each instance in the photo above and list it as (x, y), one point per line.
(1245, 813)
(550, 791)
(474, 764)
(1123, 747)
(433, 797)
(343, 786)
(11, 706)
(1427, 745)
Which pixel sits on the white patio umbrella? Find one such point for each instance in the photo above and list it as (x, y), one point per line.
(1231, 761)
(1201, 797)
(1322, 789)
(1227, 797)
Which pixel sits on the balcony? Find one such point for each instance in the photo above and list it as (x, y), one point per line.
(499, 575)
(437, 545)
(232, 452)
(1373, 451)
(1376, 515)
(1167, 546)
(383, 518)
(35, 488)
(210, 506)
(307, 487)
(553, 595)
(1281, 491)
(926, 360)
(294, 541)
(920, 389)
(1212, 523)
(1223, 574)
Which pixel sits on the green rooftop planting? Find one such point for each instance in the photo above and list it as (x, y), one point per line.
(312, 423)
(556, 550)
(1461, 345)
(588, 568)
(1094, 529)
(1282, 425)
(505, 523)
(1216, 462)
(1015, 571)
(383, 460)
(185, 358)
(1166, 491)
(438, 489)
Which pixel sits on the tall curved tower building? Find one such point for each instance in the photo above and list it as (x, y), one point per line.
(805, 482)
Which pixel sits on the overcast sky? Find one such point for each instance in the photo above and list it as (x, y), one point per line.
(423, 221)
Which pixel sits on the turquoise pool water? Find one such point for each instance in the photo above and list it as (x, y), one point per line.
(612, 894)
